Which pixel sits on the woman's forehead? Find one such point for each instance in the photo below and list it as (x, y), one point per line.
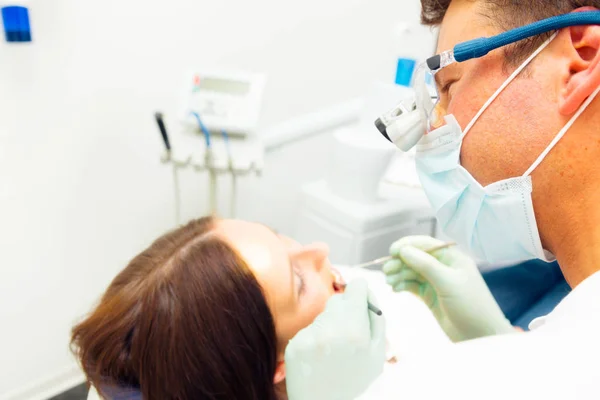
(266, 255)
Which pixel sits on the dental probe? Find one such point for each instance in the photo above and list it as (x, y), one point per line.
(370, 306)
(388, 258)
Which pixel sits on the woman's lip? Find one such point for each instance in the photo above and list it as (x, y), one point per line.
(338, 281)
(337, 274)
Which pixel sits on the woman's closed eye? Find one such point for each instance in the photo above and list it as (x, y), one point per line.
(300, 281)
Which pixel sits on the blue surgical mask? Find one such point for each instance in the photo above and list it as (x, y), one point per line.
(496, 223)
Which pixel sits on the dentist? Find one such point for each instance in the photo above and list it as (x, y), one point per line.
(507, 127)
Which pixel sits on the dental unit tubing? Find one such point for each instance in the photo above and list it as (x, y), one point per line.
(209, 161)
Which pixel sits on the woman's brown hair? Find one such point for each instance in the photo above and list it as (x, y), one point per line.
(185, 320)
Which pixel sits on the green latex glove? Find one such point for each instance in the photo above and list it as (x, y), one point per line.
(450, 283)
(341, 353)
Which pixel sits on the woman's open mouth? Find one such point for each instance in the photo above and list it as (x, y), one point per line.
(338, 281)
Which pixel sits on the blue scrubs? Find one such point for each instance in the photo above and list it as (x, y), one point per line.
(528, 290)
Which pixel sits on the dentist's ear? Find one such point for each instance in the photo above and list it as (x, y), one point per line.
(279, 372)
(583, 76)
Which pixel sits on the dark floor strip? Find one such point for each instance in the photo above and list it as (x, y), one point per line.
(76, 393)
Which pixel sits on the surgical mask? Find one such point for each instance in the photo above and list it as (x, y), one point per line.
(496, 223)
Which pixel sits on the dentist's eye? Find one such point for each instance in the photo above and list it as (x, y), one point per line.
(446, 88)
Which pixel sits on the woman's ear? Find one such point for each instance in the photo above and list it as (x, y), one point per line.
(584, 66)
(279, 373)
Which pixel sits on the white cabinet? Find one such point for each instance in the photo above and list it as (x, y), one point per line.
(357, 232)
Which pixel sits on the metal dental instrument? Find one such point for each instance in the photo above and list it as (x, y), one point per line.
(388, 258)
(370, 306)
(158, 116)
(381, 260)
(163, 130)
(376, 310)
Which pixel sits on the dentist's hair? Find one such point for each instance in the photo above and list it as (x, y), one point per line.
(185, 320)
(508, 14)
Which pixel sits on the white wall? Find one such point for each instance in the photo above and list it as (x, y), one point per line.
(81, 186)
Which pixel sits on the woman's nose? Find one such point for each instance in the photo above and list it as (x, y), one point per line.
(319, 252)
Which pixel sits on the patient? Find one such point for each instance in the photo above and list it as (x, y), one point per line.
(205, 313)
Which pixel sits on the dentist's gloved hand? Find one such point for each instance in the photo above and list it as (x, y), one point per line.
(450, 283)
(341, 353)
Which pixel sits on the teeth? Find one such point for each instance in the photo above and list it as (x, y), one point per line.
(338, 282)
(337, 276)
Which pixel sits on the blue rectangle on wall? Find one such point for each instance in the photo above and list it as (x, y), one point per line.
(16, 24)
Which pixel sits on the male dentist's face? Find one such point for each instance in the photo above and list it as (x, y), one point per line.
(520, 123)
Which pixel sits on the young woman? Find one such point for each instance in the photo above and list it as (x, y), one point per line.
(207, 310)
(205, 313)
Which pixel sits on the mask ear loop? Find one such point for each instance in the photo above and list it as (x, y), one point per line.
(562, 132)
(511, 78)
